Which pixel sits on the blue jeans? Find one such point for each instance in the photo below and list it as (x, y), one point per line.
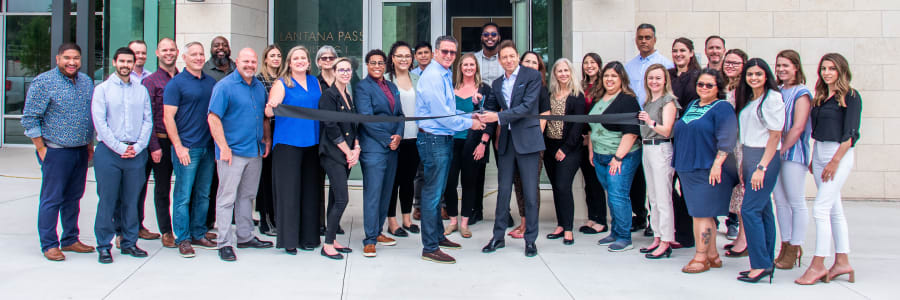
(379, 169)
(64, 172)
(756, 209)
(192, 183)
(618, 187)
(436, 152)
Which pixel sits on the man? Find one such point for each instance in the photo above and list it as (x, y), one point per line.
(519, 143)
(160, 147)
(645, 39)
(57, 118)
(715, 52)
(186, 104)
(242, 135)
(423, 57)
(487, 56)
(434, 97)
(123, 120)
(219, 64)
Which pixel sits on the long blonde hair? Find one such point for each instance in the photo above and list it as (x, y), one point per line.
(842, 85)
(457, 72)
(573, 86)
(286, 69)
(667, 90)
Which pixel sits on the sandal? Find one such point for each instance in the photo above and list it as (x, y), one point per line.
(465, 232)
(715, 262)
(732, 253)
(687, 269)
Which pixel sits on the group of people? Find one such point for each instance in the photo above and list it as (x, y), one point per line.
(710, 142)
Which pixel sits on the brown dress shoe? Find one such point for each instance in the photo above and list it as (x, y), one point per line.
(447, 244)
(185, 249)
(385, 241)
(369, 250)
(168, 240)
(444, 215)
(79, 247)
(147, 235)
(204, 243)
(211, 236)
(417, 214)
(438, 256)
(54, 254)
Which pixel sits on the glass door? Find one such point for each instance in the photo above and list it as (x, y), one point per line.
(411, 21)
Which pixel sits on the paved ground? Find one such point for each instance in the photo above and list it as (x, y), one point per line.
(581, 271)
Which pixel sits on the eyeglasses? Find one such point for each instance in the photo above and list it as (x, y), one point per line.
(707, 86)
(448, 52)
(403, 57)
(376, 63)
(327, 58)
(732, 64)
(490, 34)
(344, 71)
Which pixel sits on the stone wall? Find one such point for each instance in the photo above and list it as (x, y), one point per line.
(866, 32)
(243, 22)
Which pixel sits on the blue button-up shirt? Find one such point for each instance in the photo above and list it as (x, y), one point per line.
(241, 107)
(122, 114)
(434, 97)
(636, 68)
(507, 88)
(59, 109)
(135, 77)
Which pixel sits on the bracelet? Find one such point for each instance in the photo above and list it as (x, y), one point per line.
(616, 158)
(483, 142)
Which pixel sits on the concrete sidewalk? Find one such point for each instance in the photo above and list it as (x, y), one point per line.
(580, 271)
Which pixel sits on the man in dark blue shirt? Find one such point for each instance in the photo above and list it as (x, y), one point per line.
(186, 102)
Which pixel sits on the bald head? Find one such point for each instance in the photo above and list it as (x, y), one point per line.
(246, 64)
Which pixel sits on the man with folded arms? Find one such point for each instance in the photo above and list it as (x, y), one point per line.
(242, 135)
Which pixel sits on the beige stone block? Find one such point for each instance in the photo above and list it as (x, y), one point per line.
(864, 185)
(773, 5)
(692, 23)
(876, 51)
(609, 45)
(800, 24)
(606, 15)
(664, 5)
(877, 157)
(891, 132)
(248, 21)
(854, 24)
(891, 76)
(720, 5)
(892, 185)
(203, 18)
(746, 24)
(822, 5)
(890, 22)
(736, 43)
(867, 77)
(876, 4)
(812, 49)
(871, 131)
(768, 48)
(880, 104)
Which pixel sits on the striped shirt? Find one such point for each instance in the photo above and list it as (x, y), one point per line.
(59, 109)
(799, 152)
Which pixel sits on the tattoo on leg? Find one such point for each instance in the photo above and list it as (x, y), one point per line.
(706, 236)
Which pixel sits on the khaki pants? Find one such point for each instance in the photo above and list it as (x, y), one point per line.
(658, 171)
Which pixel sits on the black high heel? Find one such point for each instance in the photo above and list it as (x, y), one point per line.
(732, 253)
(648, 249)
(767, 272)
(568, 242)
(553, 236)
(744, 273)
(667, 254)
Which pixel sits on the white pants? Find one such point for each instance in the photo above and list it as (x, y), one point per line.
(658, 171)
(827, 209)
(790, 203)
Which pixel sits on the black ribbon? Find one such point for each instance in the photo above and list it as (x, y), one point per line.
(290, 111)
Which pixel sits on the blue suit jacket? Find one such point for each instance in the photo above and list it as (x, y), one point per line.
(370, 100)
(526, 133)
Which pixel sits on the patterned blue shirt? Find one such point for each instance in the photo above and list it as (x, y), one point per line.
(59, 110)
(635, 69)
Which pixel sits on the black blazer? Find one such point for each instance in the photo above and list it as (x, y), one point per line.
(526, 132)
(623, 103)
(333, 133)
(571, 130)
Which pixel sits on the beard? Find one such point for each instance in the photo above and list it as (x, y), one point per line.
(124, 71)
(491, 48)
(222, 61)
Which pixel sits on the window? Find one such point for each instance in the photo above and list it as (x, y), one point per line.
(316, 23)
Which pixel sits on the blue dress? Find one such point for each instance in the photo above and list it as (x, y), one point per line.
(699, 135)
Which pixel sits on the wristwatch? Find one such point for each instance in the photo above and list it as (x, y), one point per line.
(761, 167)
(483, 142)
(616, 158)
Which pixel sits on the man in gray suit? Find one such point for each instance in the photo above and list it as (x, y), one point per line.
(520, 141)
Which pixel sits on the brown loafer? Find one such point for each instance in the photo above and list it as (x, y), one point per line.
(385, 241)
(78, 247)
(369, 250)
(185, 249)
(147, 235)
(54, 254)
(211, 236)
(438, 256)
(444, 215)
(168, 240)
(204, 243)
(447, 244)
(417, 214)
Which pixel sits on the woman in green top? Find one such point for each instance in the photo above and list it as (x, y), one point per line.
(615, 152)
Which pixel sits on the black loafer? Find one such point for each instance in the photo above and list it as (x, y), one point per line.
(134, 251)
(568, 242)
(291, 251)
(553, 236)
(255, 243)
(227, 254)
(306, 248)
(104, 256)
(399, 232)
(344, 250)
(530, 249)
(493, 245)
(412, 228)
(590, 230)
(336, 256)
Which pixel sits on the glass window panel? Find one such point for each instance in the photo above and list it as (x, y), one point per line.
(27, 55)
(405, 21)
(31, 5)
(14, 133)
(315, 23)
(125, 23)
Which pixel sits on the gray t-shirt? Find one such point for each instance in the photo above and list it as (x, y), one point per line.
(655, 110)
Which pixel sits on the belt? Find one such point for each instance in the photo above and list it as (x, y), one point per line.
(129, 143)
(162, 135)
(655, 141)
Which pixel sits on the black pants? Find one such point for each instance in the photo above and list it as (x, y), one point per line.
(162, 176)
(464, 166)
(594, 195)
(684, 224)
(213, 190)
(506, 165)
(295, 175)
(561, 175)
(337, 194)
(404, 182)
(265, 203)
(639, 197)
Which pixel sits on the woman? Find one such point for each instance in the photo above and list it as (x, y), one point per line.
(835, 128)
(531, 59)
(790, 201)
(398, 64)
(337, 154)
(271, 67)
(594, 195)
(615, 152)
(684, 87)
(563, 143)
(732, 66)
(703, 140)
(760, 112)
(295, 161)
(325, 60)
(659, 114)
(469, 160)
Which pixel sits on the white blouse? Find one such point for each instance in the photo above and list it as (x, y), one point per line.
(754, 132)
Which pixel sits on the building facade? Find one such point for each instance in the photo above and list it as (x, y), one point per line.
(867, 32)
